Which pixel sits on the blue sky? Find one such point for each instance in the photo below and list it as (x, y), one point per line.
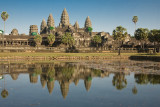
(105, 15)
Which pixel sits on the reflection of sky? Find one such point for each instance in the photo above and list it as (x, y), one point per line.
(101, 93)
(105, 14)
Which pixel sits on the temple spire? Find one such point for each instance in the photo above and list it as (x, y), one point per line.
(43, 27)
(88, 23)
(64, 18)
(50, 21)
(76, 25)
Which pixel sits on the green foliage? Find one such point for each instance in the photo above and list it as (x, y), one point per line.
(68, 39)
(51, 73)
(37, 70)
(51, 39)
(34, 33)
(89, 29)
(97, 72)
(1, 31)
(67, 72)
(97, 39)
(141, 34)
(38, 39)
(119, 33)
(154, 35)
(4, 93)
(89, 78)
(51, 28)
(4, 16)
(135, 19)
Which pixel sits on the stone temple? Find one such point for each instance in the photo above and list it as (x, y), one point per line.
(82, 37)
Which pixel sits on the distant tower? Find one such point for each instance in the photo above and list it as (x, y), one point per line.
(43, 27)
(76, 25)
(88, 23)
(14, 32)
(50, 23)
(64, 18)
(33, 28)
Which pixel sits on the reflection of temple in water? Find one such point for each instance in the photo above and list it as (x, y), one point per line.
(67, 73)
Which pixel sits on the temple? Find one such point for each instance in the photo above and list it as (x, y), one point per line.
(82, 36)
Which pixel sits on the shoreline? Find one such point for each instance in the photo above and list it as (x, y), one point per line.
(76, 56)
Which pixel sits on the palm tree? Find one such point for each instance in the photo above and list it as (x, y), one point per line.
(141, 34)
(154, 36)
(135, 20)
(38, 40)
(119, 34)
(51, 39)
(68, 39)
(4, 16)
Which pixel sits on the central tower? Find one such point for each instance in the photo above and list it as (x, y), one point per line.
(64, 18)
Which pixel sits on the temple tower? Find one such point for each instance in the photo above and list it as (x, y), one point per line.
(64, 18)
(33, 28)
(50, 23)
(14, 32)
(76, 25)
(88, 23)
(43, 27)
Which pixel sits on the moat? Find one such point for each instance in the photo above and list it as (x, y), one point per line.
(84, 83)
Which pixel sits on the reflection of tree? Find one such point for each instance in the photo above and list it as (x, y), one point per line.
(119, 81)
(67, 72)
(134, 90)
(50, 73)
(97, 72)
(147, 78)
(4, 93)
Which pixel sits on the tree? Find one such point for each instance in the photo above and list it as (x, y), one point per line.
(68, 39)
(119, 81)
(141, 34)
(154, 36)
(51, 39)
(119, 34)
(134, 90)
(4, 93)
(38, 39)
(135, 20)
(97, 39)
(4, 16)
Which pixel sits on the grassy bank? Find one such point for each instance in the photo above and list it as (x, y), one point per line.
(21, 54)
(71, 56)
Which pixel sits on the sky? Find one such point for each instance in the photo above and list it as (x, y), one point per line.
(105, 15)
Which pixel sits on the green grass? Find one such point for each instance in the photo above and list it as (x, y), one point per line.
(71, 54)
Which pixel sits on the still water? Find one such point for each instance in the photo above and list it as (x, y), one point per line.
(113, 83)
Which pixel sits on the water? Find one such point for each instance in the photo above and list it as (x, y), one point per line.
(113, 83)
